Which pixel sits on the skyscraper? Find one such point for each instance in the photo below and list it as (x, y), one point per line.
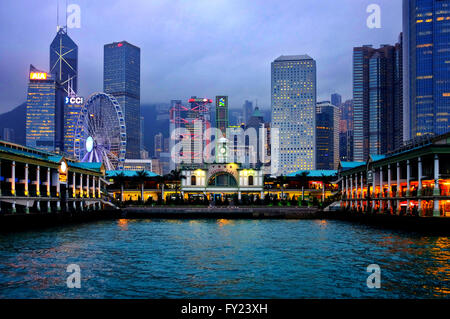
(327, 136)
(346, 132)
(336, 99)
(121, 78)
(376, 102)
(222, 113)
(42, 96)
(294, 113)
(64, 60)
(247, 111)
(426, 67)
(72, 109)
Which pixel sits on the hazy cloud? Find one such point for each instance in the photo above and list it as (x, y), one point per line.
(195, 47)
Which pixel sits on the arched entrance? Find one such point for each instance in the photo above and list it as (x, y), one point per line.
(222, 179)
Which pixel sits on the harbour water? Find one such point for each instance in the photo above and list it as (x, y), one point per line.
(223, 259)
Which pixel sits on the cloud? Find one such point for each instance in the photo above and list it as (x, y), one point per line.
(196, 47)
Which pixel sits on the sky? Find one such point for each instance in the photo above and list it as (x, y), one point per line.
(195, 47)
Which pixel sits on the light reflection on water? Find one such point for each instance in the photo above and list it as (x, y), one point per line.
(223, 259)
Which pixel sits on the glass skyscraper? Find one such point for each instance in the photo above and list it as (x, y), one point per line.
(43, 93)
(327, 136)
(121, 78)
(64, 60)
(294, 113)
(72, 109)
(377, 103)
(426, 25)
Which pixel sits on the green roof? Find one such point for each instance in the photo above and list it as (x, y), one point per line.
(88, 166)
(350, 165)
(377, 157)
(42, 156)
(128, 173)
(257, 113)
(315, 173)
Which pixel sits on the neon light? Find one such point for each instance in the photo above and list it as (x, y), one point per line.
(38, 76)
(120, 44)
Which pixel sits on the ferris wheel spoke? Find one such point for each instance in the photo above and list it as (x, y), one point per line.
(101, 118)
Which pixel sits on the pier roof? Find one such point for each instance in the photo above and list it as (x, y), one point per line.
(315, 173)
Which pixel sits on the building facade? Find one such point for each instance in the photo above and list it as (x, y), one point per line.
(64, 60)
(247, 111)
(138, 165)
(426, 67)
(336, 99)
(327, 136)
(217, 181)
(293, 114)
(377, 106)
(35, 181)
(412, 181)
(42, 118)
(346, 132)
(72, 109)
(121, 78)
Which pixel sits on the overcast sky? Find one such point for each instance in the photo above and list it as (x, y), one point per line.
(195, 47)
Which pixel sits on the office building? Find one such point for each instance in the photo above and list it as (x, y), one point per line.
(158, 145)
(72, 109)
(42, 109)
(8, 135)
(426, 57)
(187, 127)
(121, 78)
(137, 165)
(346, 132)
(377, 105)
(336, 99)
(293, 114)
(64, 60)
(327, 136)
(222, 114)
(247, 111)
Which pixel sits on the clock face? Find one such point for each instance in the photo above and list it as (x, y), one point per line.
(63, 167)
(223, 150)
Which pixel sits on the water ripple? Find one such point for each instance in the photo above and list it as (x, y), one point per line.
(223, 259)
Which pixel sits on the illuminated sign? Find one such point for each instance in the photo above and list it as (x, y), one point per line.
(221, 101)
(63, 172)
(74, 100)
(200, 101)
(38, 76)
(119, 45)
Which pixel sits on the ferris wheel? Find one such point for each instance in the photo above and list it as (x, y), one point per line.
(100, 132)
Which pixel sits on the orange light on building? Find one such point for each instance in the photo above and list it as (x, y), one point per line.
(38, 76)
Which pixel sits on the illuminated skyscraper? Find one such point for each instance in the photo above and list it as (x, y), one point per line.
(426, 57)
(294, 113)
(72, 109)
(377, 103)
(42, 96)
(121, 78)
(64, 60)
(222, 113)
(327, 136)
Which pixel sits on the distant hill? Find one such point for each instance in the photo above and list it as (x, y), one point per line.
(16, 120)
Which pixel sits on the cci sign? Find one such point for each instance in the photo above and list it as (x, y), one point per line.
(74, 100)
